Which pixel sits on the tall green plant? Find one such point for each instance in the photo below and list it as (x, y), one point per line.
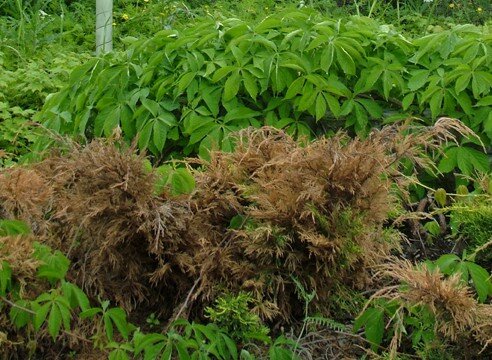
(184, 91)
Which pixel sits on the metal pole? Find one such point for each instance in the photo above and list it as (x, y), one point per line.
(104, 26)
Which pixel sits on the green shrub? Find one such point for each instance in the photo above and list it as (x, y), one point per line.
(184, 91)
(16, 133)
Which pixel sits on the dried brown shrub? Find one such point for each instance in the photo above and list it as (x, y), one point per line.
(458, 314)
(18, 251)
(125, 243)
(25, 195)
(314, 212)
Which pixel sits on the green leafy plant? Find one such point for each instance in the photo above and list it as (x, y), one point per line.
(469, 271)
(233, 313)
(184, 91)
(431, 306)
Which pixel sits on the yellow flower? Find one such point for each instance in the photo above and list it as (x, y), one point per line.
(114, 24)
(125, 17)
(479, 9)
(451, 6)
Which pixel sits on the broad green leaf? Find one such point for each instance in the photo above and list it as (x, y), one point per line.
(182, 182)
(481, 280)
(419, 78)
(333, 104)
(486, 101)
(231, 86)
(407, 100)
(118, 354)
(295, 88)
(222, 72)
(449, 160)
(18, 316)
(13, 227)
(250, 85)
(54, 321)
(184, 81)
(447, 263)
(372, 319)
(462, 82)
(240, 113)
(372, 107)
(320, 107)
(345, 61)
(144, 136)
(76, 296)
(118, 317)
(159, 134)
(90, 313)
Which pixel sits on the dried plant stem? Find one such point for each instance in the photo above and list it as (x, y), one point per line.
(14, 305)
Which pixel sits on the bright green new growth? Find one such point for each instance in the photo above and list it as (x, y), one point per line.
(234, 314)
(473, 221)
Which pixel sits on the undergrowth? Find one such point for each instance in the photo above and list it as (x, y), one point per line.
(261, 235)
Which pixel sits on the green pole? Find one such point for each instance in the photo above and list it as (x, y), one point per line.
(104, 26)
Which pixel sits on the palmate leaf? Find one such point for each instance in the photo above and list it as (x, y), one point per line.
(76, 296)
(143, 342)
(118, 318)
(54, 264)
(54, 321)
(470, 160)
(231, 86)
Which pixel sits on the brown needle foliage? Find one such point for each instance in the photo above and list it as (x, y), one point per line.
(269, 215)
(457, 313)
(122, 239)
(314, 213)
(18, 251)
(25, 195)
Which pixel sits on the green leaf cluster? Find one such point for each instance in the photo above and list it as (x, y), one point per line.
(233, 313)
(184, 91)
(384, 319)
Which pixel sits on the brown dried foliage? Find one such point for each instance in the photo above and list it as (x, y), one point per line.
(313, 212)
(17, 252)
(24, 195)
(117, 232)
(122, 239)
(457, 312)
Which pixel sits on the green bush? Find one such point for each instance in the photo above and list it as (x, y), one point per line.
(16, 133)
(184, 91)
